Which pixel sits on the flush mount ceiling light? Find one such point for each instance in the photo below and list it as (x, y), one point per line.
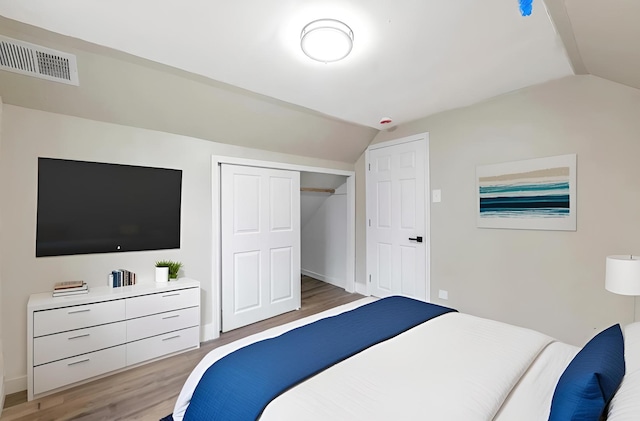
(326, 40)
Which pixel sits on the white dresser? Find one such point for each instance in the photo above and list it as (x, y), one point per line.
(75, 338)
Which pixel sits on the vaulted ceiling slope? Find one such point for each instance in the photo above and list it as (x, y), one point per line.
(123, 89)
(601, 37)
(233, 72)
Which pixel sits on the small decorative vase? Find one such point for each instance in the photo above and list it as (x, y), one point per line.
(162, 274)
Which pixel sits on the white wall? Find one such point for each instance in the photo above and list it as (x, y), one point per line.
(323, 237)
(552, 281)
(361, 226)
(2, 390)
(29, 134)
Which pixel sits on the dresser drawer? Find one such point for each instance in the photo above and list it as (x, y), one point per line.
(77, 317)
(61, 373)
(156, 324)
(161, 302)
(67, 344)
(158, 346)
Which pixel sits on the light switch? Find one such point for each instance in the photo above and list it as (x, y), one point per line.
(443, 295)
(436, 196)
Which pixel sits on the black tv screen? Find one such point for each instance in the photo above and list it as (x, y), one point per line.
(91, 207)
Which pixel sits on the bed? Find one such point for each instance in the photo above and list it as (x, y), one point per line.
(449, 366)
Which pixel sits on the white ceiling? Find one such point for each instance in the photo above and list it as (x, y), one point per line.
(232, 72)
(411, 58)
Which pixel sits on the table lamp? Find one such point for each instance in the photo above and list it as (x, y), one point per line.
(623, 276)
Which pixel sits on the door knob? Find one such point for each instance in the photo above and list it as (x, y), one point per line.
(418, 239)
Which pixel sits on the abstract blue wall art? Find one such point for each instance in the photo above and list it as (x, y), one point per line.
(533, 194)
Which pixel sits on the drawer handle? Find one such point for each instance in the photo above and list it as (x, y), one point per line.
(79, 311)
(79, 362)
(170, 295)
(79, 336)
(171, 317)
(171, 337)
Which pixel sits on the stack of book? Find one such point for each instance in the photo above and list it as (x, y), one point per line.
(63, 289)
(121, 278)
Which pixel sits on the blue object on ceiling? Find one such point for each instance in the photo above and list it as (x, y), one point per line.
(525, 7)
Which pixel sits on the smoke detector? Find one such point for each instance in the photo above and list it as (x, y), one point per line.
(37, 61)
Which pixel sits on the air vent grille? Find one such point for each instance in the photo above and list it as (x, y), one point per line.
(34, 60)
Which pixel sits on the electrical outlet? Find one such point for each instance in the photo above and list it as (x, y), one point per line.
(443, 295)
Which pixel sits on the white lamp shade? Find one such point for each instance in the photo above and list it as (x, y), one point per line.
(623, 275)
(326, 40)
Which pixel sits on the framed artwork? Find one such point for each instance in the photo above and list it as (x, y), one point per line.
(536, 194)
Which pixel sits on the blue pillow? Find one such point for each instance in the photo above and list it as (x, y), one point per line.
(591, 379)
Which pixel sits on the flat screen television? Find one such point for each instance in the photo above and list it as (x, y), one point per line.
(92, 207)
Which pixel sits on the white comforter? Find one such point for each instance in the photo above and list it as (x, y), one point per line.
(454, 367)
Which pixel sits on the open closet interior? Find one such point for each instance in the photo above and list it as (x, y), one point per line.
(323, 222)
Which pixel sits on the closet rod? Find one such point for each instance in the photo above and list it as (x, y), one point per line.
(317, 190)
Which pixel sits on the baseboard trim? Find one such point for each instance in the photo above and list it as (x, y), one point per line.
(15, 385)
(328, 279)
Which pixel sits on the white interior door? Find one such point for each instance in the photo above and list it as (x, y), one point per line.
(397, 237)
(260, 233)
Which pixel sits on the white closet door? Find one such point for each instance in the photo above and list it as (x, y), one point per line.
(396, 232)
(260, 244)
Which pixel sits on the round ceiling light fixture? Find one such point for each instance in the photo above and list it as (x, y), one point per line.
(326, 40)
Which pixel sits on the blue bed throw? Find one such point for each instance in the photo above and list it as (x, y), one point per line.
(240, 385)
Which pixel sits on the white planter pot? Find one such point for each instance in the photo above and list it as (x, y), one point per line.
(162, 274)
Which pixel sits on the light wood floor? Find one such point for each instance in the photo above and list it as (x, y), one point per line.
(150, 391)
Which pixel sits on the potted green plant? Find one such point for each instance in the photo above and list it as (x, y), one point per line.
(172, 269)
(162, 271)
